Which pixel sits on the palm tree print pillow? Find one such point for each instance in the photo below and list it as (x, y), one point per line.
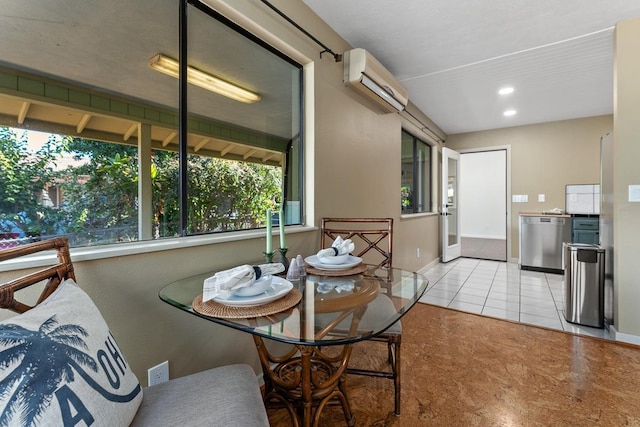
(60, 366)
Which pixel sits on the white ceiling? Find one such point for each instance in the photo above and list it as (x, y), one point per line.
(453, 56)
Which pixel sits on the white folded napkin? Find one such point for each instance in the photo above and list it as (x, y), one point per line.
(339, 284)
(224, 283)
(338, 247)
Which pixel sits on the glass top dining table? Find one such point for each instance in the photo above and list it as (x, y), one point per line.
(328, 309)
(332, 309)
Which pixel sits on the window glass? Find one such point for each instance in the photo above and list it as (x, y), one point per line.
(407, 184)
(423, 170)
(416, 171)
(60, 185)
(268, 130)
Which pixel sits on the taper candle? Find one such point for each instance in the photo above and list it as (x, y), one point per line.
(281, 220)
(269, 235)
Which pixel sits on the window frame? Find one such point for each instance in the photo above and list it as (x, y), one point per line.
(183, 111)
(418, 135)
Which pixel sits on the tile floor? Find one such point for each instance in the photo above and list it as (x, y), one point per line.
(500, 289)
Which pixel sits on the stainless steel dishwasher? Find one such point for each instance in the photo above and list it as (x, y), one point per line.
(541, 239)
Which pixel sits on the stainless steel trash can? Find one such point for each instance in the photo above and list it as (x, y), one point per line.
(584, 284)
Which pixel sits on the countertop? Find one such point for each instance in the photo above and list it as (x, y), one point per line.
(544, 214)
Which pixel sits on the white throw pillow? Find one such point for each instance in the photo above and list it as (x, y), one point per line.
(60, 366)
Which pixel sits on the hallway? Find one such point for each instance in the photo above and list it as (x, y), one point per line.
(502, 290)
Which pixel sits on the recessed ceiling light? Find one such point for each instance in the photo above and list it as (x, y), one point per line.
(506, 90)
(509, 113)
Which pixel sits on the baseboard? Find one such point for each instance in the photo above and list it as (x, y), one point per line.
(428, 266)
(622, 337)
(482, 236)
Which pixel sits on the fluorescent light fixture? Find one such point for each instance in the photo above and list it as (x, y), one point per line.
(382, 92)
(509, 113)
(170, 67)
(506, 90)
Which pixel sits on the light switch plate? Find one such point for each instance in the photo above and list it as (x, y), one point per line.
(634, 193)
(541, 197)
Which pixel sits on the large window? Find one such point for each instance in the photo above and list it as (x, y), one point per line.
(271, 120)
(416, 175)
(109, 168)
(88, 191)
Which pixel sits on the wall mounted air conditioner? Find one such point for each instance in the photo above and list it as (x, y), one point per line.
(365, 74)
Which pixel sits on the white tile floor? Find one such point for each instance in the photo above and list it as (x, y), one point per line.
(500, 289)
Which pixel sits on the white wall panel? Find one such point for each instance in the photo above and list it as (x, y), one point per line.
(483, 194)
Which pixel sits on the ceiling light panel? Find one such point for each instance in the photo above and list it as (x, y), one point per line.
(170, 67)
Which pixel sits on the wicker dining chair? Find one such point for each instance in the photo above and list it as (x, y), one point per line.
(373, 238)
(52, 276)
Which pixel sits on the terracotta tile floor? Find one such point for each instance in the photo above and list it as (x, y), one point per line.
(502, 290)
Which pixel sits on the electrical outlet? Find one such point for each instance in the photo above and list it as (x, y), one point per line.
(159, 373)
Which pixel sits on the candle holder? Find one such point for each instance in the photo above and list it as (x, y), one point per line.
(283, 258)
(268, 256)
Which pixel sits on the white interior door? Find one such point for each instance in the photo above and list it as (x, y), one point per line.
(450, 210)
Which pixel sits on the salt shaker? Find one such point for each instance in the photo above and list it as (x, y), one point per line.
(301, 267)
(294, 271)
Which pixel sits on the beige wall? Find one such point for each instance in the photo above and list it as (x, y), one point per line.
(626, 216)
(544, 159)
(356, 152)
(356, 172)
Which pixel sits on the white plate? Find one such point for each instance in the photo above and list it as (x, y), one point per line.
(351, 261)
(279, 288)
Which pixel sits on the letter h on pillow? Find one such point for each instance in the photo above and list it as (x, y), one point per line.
(60, 366)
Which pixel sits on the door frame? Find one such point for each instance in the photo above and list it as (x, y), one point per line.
(449, 252)
(508, 193)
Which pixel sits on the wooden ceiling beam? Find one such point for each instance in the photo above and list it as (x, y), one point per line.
(225, 150)
(168, 139)
(22, 113)
(200, 145)
(249, 154)
(83, 122)
(268, 157)
(130, 131)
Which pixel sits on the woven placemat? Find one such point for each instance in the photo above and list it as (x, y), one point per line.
(214, 309)
(360, 268)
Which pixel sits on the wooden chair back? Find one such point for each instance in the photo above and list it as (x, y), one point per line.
(373, 237)
(52, 275)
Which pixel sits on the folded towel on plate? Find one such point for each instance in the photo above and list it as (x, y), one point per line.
(338, 247)
(224, 283)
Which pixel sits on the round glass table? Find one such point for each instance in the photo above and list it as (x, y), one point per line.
(330, 310)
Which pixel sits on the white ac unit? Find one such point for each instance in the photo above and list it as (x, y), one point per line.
(365, 74)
